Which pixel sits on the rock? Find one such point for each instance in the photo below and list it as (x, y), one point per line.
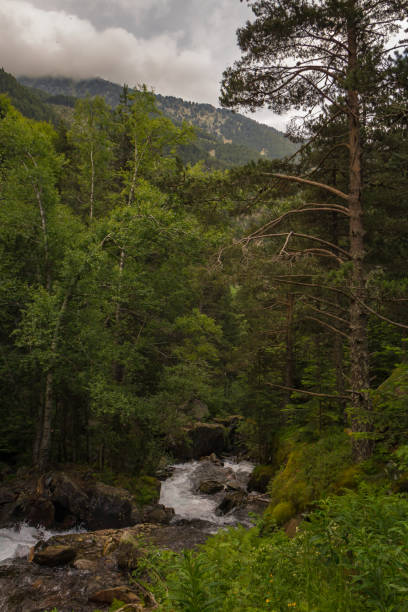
(34, 511)
(133, 608)
(207, 470)
(260, 477)
(165, 472)
(234, 485)
(129, 553)
(30, 587)
(85, 565)
(54, 555)
(214, 459)
(200, 440)
(121, 593)
(109, 507)
(208, 487)
(158, 514)
(232, 500)
(6, 496)
(199, 410)
(92, 503)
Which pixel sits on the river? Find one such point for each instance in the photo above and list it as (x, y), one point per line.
(179, 492)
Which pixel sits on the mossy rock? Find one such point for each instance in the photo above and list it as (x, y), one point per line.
(312, 470)
(348, 478)
(147, 490)
(260, 478)
(281, 513)
(129, 552)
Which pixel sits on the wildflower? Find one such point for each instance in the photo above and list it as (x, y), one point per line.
(292, 605)
(267, 600)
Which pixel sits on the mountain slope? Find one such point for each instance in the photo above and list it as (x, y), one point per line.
(32, 104)
(234, 139)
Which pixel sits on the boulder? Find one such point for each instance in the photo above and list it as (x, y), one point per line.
(120, 593)
(260, 477)
(199, 409)
(201, 440)
(33, 510)
(54, 555)
(207, 471)
(64, 499)
(108, 507)
(158, 513)
(232, 500)
(208, 487)
(129, 553)
(234, 485)
(81, 500)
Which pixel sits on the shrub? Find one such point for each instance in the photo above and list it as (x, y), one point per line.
(351, 557)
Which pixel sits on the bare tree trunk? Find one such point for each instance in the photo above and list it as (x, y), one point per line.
(42, 445)
(290, 359)
(92, 194)
(45, 443)
(360, 380)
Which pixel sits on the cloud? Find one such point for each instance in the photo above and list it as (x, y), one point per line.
(177, 47)
(36, 42)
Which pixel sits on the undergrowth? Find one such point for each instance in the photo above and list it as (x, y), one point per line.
(351, 556)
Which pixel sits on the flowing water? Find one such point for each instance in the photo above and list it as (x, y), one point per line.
(179, 492)
(17, 541)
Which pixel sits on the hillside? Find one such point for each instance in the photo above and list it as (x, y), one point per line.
(224, 137)
(30, 103)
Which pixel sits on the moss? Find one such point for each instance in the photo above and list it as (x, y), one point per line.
(283, 512)
(260, 478)
(348, 479)
(311, 470)
(145, 489)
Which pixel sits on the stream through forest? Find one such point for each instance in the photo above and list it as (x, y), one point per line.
(179, 491)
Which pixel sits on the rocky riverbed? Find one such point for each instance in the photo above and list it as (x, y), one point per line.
(85, 571)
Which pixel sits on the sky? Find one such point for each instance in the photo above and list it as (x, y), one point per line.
(176, 47)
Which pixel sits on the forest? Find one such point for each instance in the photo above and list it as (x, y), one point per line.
(134, 286)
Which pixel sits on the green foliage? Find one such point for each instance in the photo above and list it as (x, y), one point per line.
(260, 477)
(311, 470)
(30, 103)
(144, 488)
(391, 403)
(232, 138)
(351, 556)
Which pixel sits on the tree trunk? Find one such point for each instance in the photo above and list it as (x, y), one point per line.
(360, 381)
(92, 194)
(42, 444)
(290, 359)
(45, 443)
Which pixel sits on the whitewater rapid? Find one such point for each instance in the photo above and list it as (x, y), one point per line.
(17, 541)
(178, 492)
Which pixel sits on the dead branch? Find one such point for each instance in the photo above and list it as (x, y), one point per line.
(324, 324)
(298, 179)
(303, 392)
(329, 314)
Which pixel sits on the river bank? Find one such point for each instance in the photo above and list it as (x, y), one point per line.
(68, 571)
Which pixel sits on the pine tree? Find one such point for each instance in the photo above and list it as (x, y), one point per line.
(320, 55)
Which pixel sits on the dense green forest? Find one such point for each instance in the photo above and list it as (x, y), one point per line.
(224, 139)
(134, 285)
